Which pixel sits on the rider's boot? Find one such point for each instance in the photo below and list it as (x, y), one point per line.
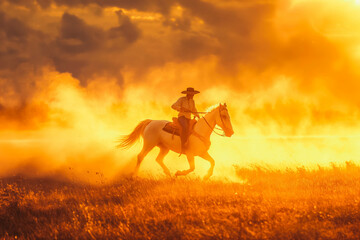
(184, 144)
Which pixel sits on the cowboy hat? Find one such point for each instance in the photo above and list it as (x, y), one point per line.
(190, 90)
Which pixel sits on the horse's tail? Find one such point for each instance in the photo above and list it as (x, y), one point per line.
(128, 140)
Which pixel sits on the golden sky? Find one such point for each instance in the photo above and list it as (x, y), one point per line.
(285, 68)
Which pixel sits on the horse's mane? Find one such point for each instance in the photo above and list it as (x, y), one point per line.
(209, 109)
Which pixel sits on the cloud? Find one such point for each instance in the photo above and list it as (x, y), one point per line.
(161, 6)
(87, 51)
(247, 44)
(127, 30)
(79, 48)
(22, 56)
(77, 37)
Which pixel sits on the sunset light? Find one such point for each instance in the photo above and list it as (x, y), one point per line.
(87, 89)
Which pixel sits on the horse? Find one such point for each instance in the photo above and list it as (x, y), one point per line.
(198, 142)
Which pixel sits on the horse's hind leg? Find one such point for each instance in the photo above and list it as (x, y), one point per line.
(160, 158)
(207, 157)
(191, 165)
(145, 150)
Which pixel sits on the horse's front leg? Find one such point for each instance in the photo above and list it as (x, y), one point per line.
(191, 165)
(207, 157)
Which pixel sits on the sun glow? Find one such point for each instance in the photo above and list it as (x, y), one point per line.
(85, 122)
(289, 104)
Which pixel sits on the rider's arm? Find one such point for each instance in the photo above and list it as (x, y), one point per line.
(177, 105)
(194, 110)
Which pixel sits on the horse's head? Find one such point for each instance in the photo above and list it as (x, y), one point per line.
(223, 120)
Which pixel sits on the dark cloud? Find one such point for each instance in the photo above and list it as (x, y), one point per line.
(241, 34)
(13, 36)
(161, 6)
(44, 3)
(245, 37)
(243, 31)
(78, 37)
(87, 51)
(21, 55)
(241, 18)
(193, 47)
(126, 30)
(83, 50)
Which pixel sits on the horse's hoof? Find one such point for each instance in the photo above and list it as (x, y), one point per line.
(168, 174)
(207, 177)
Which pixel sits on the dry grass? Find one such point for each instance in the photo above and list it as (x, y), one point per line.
(301, 204)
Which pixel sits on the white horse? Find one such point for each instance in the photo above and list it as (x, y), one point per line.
(198, 143)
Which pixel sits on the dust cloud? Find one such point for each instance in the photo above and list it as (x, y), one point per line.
(74, 76)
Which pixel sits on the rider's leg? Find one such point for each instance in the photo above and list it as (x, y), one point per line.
(184, 131)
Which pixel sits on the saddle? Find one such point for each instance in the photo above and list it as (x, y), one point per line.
(174, 127)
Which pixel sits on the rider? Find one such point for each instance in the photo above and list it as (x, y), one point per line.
(185, 106)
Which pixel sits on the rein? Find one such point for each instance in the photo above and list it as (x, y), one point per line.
(220, 134)
(199, 112)
(212, 128)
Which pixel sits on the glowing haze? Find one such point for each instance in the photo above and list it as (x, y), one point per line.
(74, 75)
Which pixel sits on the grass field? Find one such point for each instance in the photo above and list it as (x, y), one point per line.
(269, 204)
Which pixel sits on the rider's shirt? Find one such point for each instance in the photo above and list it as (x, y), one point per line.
(185, 103)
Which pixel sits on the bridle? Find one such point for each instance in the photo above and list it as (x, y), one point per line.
(222, 121)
